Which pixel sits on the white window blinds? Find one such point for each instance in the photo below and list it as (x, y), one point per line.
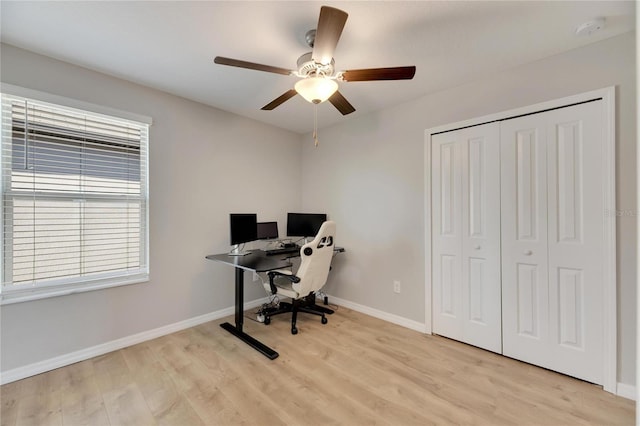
(74, 198)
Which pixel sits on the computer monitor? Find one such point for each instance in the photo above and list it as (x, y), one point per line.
(304, 224)
(243, 228)
(267, 230)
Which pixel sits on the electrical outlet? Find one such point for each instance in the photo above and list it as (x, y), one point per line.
(396, 286)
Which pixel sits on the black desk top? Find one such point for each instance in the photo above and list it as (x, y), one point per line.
(257, 261)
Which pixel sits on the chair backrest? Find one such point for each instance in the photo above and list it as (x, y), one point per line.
(316, 260)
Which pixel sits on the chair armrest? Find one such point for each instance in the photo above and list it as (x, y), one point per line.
(273, 274)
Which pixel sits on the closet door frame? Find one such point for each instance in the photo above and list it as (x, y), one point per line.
(609, 296)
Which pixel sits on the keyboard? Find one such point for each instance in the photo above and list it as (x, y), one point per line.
(287, 250)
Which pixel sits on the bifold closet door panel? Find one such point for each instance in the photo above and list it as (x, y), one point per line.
(525, 316)
(447, 235)
(552, 236)
(466, 235)
(481, 281)
(576, 236)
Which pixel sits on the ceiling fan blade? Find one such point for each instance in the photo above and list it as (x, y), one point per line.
(341, 103)
(330, 25)
(250, 65)
(279, 100)
(371, 74)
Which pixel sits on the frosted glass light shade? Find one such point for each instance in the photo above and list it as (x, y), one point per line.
(316, 89)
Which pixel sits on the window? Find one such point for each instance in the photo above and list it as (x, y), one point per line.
(74, 200)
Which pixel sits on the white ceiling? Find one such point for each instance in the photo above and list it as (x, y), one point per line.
(170, 45)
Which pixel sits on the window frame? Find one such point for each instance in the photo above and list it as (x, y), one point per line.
(64, 286)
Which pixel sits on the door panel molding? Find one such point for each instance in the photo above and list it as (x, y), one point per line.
(569, 185)
(571, 307)
(527, 176)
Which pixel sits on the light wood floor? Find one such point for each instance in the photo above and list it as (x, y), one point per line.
(356, 370)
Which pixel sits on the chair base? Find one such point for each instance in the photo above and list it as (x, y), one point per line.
(306, 305)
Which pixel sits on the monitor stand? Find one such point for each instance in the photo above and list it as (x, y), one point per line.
(237, 251)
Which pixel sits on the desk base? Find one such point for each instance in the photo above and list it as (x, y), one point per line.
(260, 347)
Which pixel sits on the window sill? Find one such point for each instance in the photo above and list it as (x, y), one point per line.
(35, 293)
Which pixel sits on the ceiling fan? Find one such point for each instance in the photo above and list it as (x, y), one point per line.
(316, 68)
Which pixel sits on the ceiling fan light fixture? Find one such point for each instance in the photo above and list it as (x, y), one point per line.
(316, 69)
(316, 89)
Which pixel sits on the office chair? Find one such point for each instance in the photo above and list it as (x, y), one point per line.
(311, 276)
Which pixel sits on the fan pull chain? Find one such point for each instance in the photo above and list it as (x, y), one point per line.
(315, 125)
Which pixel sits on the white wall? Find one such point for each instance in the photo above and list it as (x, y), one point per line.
(204, 164)
(368, 175)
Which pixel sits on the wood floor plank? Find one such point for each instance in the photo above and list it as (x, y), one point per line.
(215, 408)
(112, 372)
(355, 370)
(40, 401)
(180, 412)
(166, 403)
(40, 409)
(126, 406)
(10, 397)
(81, 400)
(82, 404)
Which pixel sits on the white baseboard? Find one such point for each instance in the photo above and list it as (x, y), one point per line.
(395, 319)
(626, 391)
(114, 345)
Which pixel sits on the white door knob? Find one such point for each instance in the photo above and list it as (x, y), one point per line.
(528, 253)
(478, 247)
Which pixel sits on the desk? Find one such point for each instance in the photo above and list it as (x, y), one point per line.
(257, 261)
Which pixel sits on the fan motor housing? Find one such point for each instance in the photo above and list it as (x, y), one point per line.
(307, 66)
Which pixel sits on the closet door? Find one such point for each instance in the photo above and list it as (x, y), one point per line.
(466, 236)
(552, 236)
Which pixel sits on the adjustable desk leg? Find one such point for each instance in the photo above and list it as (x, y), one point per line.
(237, 329)
(239, 298)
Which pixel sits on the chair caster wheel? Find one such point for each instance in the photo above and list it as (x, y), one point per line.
(324, 320)
(294, 330)
(267, 320)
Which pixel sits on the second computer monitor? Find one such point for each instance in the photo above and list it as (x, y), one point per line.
(304, 224)
(267, 230)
